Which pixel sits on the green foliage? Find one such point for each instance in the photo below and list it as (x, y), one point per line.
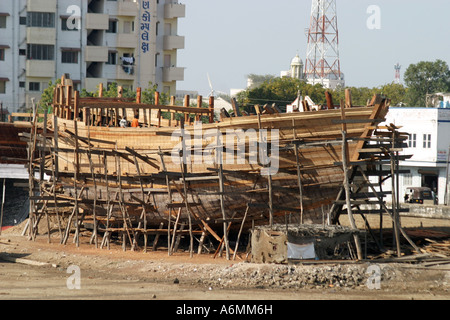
(283, 91)
(112, 91)
(148, 95)
(425, 78)
(45, 104)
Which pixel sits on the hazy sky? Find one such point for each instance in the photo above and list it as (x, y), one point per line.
(230, 39)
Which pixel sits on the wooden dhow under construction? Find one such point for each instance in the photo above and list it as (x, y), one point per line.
(183, 173)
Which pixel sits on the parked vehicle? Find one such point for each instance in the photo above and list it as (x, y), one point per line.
(420, 195)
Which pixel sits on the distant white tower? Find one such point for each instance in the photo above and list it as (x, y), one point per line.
(297, 68)
(397, 68)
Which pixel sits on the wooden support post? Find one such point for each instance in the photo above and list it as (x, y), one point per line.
(447, 172)
(347, 194)
(239, 234)
(299, 181)
(395, 214)
(100, 90)
(107, 235)
(157, 98)
(138, 95)
(211, 109)
(169, 193)
(94, 211)
(187, 101)
(175, 226)
(235, 107)
(198, 117)
(269, 180)
(3, 203)
(183, 175)
(329, 98)
(55, 199)
(222, 208)
(144, 212)
(348, 99)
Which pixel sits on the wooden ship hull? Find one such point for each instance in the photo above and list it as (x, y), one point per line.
(166, 173)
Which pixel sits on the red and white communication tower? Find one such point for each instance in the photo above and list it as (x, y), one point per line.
(397, 68)
(322, 56)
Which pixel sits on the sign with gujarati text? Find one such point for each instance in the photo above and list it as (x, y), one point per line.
(145, 27)
(442, 156)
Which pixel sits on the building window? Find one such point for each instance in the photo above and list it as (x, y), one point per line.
(2, 87)
(40, 52)
(2, 22)
(2, 54)
(22, 84)
(23, 21)
(112, 26)
(128, 27)
(412, 140)
(69, 57)
(407, 180)
(112, 58)
(427, 141)
(22, 52)
(34, 86)
(41, 19)
(64, 25)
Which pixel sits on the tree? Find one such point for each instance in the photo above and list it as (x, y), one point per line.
(281, 91)
(426, 78)
(45, 104)
(257, 80)
(394, 91)
(148, 95)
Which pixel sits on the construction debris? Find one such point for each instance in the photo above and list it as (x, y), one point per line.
(282, 244)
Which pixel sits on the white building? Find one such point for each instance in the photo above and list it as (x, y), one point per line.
(130, 42)
(296, 69)
(429, 143)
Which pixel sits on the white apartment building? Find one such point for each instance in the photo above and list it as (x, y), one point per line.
(429, 143)
(130, 42)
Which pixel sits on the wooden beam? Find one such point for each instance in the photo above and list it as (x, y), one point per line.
(329, 99)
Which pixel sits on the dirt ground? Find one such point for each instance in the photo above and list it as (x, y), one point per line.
(114, 274)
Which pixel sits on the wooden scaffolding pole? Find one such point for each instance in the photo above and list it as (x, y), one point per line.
(348, 196)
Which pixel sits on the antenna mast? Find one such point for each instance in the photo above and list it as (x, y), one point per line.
(322, 56)
(397, 68)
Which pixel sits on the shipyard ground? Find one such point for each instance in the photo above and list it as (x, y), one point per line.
(114, 274)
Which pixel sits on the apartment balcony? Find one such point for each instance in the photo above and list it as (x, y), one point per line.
(173, 74)
(125, 72)
(97, 21)
(127, 40)
(174, 10)
(40, 69)
(41, 5)
(96, 54)
(127, 8)
(173, 42)
(41, 35)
